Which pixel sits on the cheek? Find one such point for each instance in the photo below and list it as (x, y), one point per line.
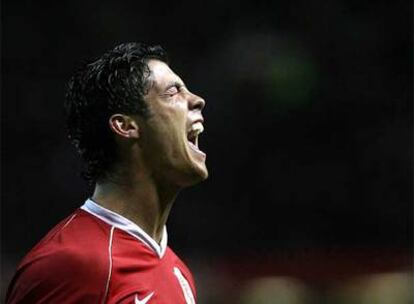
(167, 134)
(174, 117)
(168, 123)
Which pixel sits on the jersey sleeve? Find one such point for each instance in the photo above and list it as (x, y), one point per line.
(62, 277)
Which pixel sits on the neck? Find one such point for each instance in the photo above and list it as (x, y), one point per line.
(142, 201)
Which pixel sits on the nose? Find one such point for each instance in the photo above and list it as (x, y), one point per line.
(196, 102)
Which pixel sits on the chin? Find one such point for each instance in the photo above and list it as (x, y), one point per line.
(202, 174)
(193, 175)
(198, 175)
(193, 169)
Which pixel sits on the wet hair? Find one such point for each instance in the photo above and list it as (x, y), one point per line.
(113, 83)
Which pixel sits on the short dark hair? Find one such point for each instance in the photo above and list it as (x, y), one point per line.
(114, 83)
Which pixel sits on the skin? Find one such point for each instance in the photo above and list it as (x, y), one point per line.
(157, 159)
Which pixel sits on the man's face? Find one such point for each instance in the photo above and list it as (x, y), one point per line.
(169, 136)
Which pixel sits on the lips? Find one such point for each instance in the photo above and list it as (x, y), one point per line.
(192, 136)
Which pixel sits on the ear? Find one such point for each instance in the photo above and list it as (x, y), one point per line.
(124, 126)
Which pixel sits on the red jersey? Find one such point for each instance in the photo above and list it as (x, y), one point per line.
(97, 256)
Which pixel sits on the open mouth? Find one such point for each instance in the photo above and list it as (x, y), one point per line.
(192, 135)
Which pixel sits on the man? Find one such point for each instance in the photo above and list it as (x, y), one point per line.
(136, 126)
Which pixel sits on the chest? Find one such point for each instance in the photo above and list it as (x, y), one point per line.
(151, 281)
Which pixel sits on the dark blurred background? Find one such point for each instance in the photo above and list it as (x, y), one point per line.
(308, 137)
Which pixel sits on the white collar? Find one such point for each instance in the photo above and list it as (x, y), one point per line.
(120, 222)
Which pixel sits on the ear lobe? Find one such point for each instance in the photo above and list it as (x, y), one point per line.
(124, 126)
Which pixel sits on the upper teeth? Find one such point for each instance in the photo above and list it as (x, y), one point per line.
(197, 128)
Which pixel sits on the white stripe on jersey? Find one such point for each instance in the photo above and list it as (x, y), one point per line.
(185, 286)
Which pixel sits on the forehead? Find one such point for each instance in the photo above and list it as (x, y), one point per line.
(161, 74)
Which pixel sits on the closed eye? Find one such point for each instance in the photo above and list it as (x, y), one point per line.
(174, 88)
